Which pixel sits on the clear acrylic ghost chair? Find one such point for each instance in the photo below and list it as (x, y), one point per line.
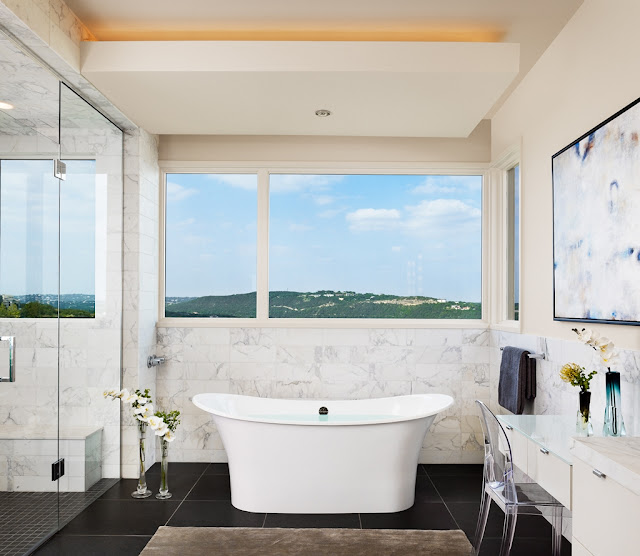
(513, 498)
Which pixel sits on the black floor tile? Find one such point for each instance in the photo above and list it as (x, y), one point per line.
(179, 468)
(211, 487)
(458, 488)
(121, 517)
(218, 513)
(421, 470)
(342, 521)
(217, 469)
(436, 470)
(65, 545)
(421, 516)
(425, 491)
(466, 516)
(523, 546)
(179, 486)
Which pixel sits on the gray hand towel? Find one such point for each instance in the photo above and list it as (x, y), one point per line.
(517, 379)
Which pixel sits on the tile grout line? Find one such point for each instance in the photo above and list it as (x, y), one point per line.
(360, 520)
(445, 504)
(186, 495)
(264, 520)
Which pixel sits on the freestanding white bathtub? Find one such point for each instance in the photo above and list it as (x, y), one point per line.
(284, 457)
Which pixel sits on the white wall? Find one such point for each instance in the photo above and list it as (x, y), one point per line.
(475, 148)
(587, 74)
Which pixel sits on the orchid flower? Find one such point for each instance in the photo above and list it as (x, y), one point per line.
(154, 422)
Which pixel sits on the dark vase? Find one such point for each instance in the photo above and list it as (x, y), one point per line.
(613, 422)
(583, 425)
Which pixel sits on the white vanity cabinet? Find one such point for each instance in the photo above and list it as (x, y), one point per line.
(606, 513)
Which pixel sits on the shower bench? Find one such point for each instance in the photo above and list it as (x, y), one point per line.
(27, 452)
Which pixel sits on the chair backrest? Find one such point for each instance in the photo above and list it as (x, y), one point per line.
(498, 467)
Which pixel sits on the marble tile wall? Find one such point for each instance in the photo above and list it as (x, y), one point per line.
(140, 283)
(329, 364)
(559, 398)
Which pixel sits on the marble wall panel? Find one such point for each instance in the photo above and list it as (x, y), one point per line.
(325, 364)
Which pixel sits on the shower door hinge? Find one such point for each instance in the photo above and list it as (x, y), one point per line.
(59, 169)
(57, 469)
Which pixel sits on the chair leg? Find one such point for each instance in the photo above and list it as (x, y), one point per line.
(556, 524)
(485, 506)
(510, 518)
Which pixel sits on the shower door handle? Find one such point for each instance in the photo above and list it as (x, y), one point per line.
(12, 359)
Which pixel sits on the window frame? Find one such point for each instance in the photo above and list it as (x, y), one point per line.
(263, 171)
(501, 263)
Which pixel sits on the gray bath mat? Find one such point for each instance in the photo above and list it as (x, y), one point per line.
(245, 541)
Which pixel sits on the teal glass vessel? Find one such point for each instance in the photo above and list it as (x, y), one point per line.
(613, 422)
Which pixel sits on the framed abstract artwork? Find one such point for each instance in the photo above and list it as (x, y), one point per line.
(596, 223)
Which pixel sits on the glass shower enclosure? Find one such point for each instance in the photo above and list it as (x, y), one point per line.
(61, 198)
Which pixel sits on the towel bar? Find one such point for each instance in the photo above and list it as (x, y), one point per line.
(533, 355)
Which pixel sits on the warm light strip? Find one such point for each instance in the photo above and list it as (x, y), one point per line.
(429, 35)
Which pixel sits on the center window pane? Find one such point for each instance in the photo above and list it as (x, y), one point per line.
(375, 246)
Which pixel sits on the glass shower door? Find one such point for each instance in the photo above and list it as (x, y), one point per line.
(29, 276)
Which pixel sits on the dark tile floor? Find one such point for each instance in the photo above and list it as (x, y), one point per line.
(447, 497)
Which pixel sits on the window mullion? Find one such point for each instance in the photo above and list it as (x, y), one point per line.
(262, 278)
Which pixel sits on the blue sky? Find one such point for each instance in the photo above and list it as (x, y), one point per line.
(29, 227)
(401, 235)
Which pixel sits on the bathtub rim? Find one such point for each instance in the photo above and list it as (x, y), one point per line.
(401, 418)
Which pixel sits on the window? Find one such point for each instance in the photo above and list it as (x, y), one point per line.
(30, 219)
(513, 243)
(210, 242)
(375, 246)
(339, 246)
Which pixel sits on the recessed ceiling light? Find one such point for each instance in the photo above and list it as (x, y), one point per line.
(5, 106)
(323, 113)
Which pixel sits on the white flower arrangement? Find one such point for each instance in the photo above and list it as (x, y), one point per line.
(163, 424)
(603, 346)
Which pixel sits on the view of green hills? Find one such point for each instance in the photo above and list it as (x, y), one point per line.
(45, 306)
(323, 304)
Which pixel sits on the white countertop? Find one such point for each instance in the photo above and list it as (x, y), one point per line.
(551, 432)
(618, 458)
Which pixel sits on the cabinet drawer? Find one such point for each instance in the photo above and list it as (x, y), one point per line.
(518, 449)
(605, 515)
(550, 472)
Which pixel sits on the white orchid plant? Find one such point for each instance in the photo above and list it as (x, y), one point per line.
(603, 346)
(163, 424)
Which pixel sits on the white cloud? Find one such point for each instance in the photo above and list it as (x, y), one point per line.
(434, 218)
(396, 248)
(331, 213)
(443, 185)
(366, 220)
(177, 192)
(290, 183)
(185, 223)
(293, 227)
(323, 199)
(441, 216)
(248, 182)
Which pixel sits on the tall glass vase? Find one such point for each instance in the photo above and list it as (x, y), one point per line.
(142, 491)
(583, 423)
(613, 422)
(164, 493)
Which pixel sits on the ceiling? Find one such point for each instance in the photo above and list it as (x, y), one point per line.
(383, 101)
